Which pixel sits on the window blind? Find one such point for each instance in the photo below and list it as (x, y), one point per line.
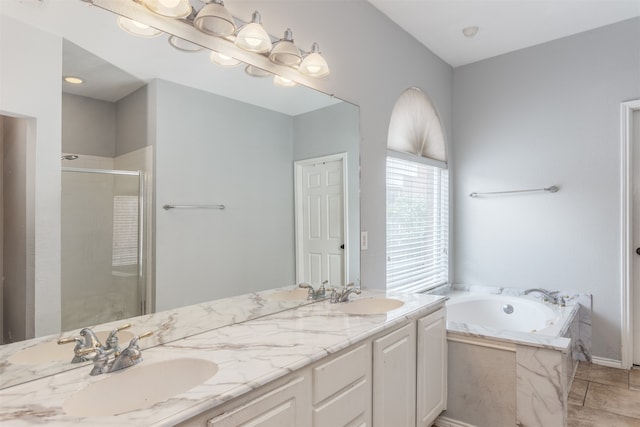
(417, 225)
(125, 230)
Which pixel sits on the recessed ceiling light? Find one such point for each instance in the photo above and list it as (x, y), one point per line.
(470, 32)
(73, 80)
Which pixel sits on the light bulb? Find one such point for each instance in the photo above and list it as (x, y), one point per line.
(253, 42)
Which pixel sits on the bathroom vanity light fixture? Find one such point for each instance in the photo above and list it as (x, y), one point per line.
(284, 52)
(248, 41)
(223, 60)
(137, 28)
(169, 8)
(314, 64)
(253, 37)
(215, 19)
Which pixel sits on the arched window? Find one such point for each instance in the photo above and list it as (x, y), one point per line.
(417, 196)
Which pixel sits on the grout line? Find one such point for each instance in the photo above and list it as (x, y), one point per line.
(584, 398)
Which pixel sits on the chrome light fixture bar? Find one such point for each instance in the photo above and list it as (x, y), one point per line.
(288, 62)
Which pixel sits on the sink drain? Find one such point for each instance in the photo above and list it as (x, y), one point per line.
(507, 308)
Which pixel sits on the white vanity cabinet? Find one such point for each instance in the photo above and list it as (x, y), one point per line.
(335, 392)
(395, 378)
(285, 406)
(342, 389)
(431, 376)
(410, 373)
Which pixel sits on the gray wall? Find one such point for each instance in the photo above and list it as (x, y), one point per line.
(88, 126)
(533, 118)
(372, 62)
(101, 128)
(131, 122)
(211, 155)
(333, 130)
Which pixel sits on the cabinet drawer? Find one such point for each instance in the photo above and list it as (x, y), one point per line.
(286, 406)
(345, 408)
(336, 374)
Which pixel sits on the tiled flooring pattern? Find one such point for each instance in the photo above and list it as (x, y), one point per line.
(604, 397)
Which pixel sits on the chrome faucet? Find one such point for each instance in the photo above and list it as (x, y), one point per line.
(128, 357)
(88, 342)
(550, 296)
(314, 294)
(342, 295)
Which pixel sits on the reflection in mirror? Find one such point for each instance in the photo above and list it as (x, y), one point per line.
(200, 135)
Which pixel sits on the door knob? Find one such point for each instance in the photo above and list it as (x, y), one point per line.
(638, 251)
(342, 247)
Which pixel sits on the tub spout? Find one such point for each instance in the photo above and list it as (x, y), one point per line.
(550, 296)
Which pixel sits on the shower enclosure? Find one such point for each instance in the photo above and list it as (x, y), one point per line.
(102, 246)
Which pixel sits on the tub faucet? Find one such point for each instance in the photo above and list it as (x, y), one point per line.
(550, 296)
(342, 295)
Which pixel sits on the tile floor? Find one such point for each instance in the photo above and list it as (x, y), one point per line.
(604, 397)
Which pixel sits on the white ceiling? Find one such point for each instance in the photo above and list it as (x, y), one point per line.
(505, 25)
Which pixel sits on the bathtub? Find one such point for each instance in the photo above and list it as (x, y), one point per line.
(511, 357)
(503, 312)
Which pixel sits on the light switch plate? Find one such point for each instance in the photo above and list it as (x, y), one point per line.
(364, 240)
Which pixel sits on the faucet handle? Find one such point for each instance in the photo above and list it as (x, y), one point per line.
(70, 340)
(134, 341)
(112, 340)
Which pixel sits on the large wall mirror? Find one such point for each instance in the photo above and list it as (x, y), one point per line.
(202, 137)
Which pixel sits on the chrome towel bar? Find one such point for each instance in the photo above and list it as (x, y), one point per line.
(167, 207)
(552, 189)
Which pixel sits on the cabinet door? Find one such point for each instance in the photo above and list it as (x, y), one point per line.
(432, 367)
(394, 378)
(286, 406)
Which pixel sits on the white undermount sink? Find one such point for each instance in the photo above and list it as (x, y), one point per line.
(139, 387)
(298, 294)
(370, 306)
(51, 351)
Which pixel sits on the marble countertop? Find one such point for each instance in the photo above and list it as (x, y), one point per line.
(168, 326)
(249, 354)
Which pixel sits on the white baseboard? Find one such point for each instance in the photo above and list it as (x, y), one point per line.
(612, 363)
(449, 422)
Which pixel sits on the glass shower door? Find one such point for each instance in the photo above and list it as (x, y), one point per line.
(102, 275)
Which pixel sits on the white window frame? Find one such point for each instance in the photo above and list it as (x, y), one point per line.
(436, 270)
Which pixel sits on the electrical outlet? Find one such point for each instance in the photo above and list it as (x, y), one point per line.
(364, 240)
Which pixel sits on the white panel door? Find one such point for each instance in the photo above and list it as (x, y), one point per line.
(320, 214)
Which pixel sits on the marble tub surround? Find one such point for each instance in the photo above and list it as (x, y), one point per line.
(168, 326)
(575, 320)
(538, 366)
(249, 354)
